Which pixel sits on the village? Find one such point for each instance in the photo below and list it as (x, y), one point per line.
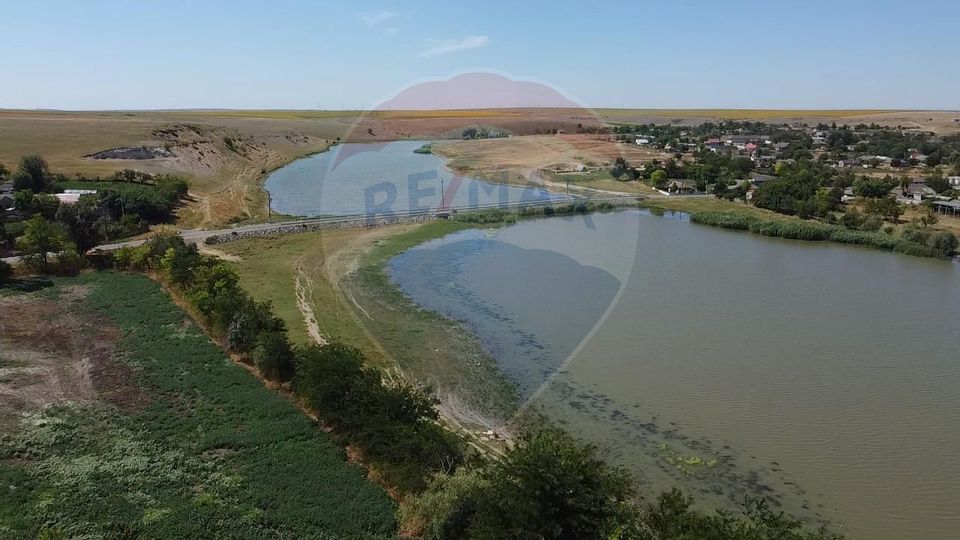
(922, 168)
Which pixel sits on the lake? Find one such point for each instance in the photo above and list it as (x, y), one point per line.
(382, 179)
(822, 376)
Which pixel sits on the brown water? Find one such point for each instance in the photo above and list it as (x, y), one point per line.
(823, 377)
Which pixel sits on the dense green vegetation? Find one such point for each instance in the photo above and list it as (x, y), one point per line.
(124, 205)
(393, 425)
(921, 243)
(549, 486)
(425, 149)
(500, 215)
(212, 449)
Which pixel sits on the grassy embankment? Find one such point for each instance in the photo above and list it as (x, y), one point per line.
(354, 301)
(212, 449)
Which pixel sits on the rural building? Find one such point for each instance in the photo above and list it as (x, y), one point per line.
(950, 208)
(743, 140)
(680, 187)
(954, 181)
(758, 179)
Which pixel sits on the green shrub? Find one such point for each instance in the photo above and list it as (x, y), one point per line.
(274, 357)
(394, 426)
(915, 234)
(726, 220)
(796, 230)
(875, 239)
(917, 250)
(943, 242)
(6, 271)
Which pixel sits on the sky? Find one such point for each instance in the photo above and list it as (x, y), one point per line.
(298, 54)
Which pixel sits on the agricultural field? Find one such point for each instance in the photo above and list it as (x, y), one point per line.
(122, 419)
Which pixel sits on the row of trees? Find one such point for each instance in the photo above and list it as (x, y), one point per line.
(393, 424)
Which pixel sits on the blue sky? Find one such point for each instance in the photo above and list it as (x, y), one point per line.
(100, 54)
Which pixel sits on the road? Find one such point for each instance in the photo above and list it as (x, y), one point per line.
(198, 236)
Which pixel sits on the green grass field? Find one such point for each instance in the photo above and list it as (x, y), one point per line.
(355, 302)
(213, 453)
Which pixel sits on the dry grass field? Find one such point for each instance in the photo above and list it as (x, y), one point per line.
(225, 157)
(226, 154)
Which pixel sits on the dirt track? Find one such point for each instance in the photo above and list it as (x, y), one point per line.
(53, 352)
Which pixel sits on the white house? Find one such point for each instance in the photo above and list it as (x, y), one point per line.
(954, 181)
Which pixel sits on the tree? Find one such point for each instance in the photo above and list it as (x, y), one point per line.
(873, 187)
(80, 221)
(944, 242)
(40, 238)
(5, 272)
(937, 182)
(33, 174)
(273, 356)
(887, 207)
(548, 486)
(620, 167)
(659, 178)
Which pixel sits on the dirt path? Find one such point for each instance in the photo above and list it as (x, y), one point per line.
(303, 303)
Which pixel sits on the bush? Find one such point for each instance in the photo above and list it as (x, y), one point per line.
(394, 426)
(943, 242)
(726, 220)
(917, 250)
(6, 271)
(67, 263)
(875, 239)
(872, 222)
(274, 357)
(796, 230)
(445, 510)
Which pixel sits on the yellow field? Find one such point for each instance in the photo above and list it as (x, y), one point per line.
(743, 114)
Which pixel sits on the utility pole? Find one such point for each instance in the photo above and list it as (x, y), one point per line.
(441, 194)
(269, 209)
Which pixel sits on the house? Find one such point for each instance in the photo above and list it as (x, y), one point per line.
(680, 187)
(758, 179)
(713, 144)
(848, 163)
(954, 181)
(742, 140)
(916, 193)
(642, 140)
(780, 147)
